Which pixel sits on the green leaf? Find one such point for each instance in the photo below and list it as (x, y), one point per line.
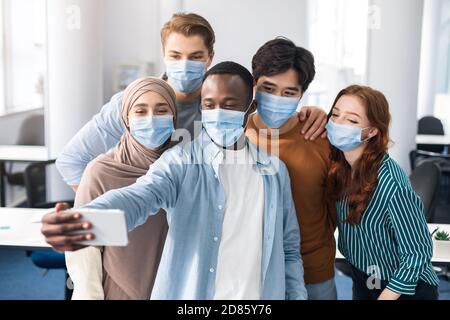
(442, 236)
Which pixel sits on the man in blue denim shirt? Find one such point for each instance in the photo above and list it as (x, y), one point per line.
(212, 252)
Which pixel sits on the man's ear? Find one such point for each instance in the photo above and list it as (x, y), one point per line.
(210, 59)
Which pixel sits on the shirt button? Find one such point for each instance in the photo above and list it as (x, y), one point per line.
(220, 207)
(215, 238)
(211, 270)
(215, 176)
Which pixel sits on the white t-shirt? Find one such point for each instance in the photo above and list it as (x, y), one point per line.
(238, 273)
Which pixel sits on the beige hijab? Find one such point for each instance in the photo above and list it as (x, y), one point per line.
(129, 272)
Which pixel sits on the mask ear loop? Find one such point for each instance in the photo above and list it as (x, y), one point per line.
(367, 139)
(247, 115)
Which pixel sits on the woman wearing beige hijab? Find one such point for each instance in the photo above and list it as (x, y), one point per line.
(148, 113)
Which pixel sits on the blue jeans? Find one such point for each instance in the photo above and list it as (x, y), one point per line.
(322, 291)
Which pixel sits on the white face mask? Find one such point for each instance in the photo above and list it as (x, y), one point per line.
(224, 127)
(152, 131)
(344, 137)
(185, 75)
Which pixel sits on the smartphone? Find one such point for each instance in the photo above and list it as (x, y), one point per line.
(109, 226)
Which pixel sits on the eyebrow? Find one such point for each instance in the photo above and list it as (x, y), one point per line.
(224, 99)
(141, 105)
(230, 99)
(191, 54)
(145, 105)
(268, 83)
(352, 113)
(196, 52)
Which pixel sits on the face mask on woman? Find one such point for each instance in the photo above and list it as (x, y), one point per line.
(152, 131)
(185, 75)
(344, 137)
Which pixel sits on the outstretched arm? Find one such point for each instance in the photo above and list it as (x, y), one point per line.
(159, 188)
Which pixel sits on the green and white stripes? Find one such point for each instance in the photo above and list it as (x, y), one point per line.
(392, 236)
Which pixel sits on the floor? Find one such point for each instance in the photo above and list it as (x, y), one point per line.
(20, 279)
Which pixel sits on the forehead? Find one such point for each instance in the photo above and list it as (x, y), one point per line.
(351, 104)
(289, 78)
(224, 85)
(178, 42)
(150, 98)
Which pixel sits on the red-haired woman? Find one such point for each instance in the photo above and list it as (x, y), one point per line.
(382, 229)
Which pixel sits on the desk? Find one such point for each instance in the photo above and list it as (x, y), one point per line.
(433, 139)
(431, 227)
(21, 227)
(16, 153)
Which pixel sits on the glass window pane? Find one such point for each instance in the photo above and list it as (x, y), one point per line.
(24, 50)
(338, 38)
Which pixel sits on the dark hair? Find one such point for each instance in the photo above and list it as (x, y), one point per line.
(280, 55)
(229, 67)
(189, 24)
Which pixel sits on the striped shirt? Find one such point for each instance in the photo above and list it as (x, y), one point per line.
(392, 242)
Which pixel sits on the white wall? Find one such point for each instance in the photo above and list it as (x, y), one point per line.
(130, 36)
(443, 47)
(243, 26)
(393, 68)
(74, 75)
(131, 32)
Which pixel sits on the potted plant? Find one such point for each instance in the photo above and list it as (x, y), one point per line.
(441, 244)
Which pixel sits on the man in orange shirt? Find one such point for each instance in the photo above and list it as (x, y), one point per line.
(283, 72)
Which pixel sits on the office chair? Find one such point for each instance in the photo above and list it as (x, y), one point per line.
(35, 185)
(431, 126)
(417, 157)
(426, 181)
(31, 133)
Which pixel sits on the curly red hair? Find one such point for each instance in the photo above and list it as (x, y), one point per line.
(358, 186)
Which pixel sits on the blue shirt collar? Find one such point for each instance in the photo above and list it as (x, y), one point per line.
(207, 152)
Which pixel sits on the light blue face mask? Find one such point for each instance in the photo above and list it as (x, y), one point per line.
(224, 127)
(151, 131)
(344, 137)
(185, 75)
(275, 111)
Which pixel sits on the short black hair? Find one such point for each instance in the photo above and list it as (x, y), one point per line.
(281, 54)
(230, 67)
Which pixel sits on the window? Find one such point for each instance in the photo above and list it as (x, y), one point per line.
(337, 35)
(442, 76)
(22, 54)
